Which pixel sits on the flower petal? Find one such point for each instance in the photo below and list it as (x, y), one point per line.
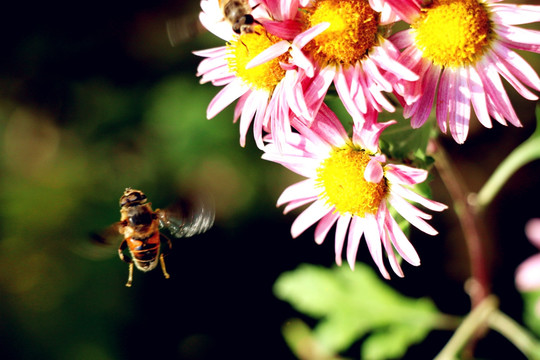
(373, 240)
(411, 214)
(225, 97)
(309, 217)
(341, 231)
(324, 225)
(355, 233)
(374, 171)
(272, 52)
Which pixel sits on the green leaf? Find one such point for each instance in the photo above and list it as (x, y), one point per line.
(401, 141)
(530, 316)
(354, 304)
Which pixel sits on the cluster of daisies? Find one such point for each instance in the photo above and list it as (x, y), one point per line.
(279, 74)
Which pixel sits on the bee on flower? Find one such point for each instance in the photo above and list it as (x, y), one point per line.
(349, 183)
(263, 86)
(460, 48)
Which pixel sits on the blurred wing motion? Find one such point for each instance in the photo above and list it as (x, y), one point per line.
(100, 245)
(183, 28)
(108, 236)
(187, 218)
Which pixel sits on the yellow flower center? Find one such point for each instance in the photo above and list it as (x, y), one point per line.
(341, 177)
(244, 48)
(453, 33)
(352, 32)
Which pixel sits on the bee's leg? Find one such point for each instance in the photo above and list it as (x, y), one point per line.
(130, 276)
(241, 42)
(127, 259)
(166, 247)
(163, 268)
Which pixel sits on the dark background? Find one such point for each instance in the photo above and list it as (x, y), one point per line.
(93, 99)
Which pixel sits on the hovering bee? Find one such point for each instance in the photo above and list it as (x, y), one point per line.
(238, 13)
(140, 226)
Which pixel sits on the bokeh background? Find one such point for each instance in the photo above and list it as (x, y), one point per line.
(93, 99)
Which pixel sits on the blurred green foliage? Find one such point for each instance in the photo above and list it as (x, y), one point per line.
(351, 305)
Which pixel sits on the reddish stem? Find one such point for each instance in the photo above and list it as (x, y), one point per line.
(469, 220)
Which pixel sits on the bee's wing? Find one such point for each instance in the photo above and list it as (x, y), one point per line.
(188, 217)
(108, 236)
(99, 245)
(183, 28)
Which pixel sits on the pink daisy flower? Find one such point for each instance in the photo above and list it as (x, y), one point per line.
(253, 67)
(462, 47)
(350, 184)
(528, 273)
(352, 53)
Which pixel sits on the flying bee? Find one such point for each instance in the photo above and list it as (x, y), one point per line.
(238, 14)
(140, 227)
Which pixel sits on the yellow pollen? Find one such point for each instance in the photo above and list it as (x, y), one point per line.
(453, 33)
(341, 177)
(244, 48)
(352, 33)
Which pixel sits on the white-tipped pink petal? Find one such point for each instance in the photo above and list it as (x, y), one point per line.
(353, 242)
(513, 14)
(406, 10)
(318, 87)
(400, 241)
(411, 214)
(495, 91)
(459, 117)
(302, 39)
(304, 189)
(387, 62)
(412, 196)
(329, 128)
(270, 53)
(295, 204)
(478, 97)
(341, 232)
(420, 110)
(309, 217)
(500, 64)
(392, 258)
(368, 135)
(342, 88)
(374, 171)
(212, 52)
(518, 66)
(402, 39)
(324, 226)
(445, 98)
(248, 111)
(225, 97)
(373, 241)
(405, 175)
(382, 213)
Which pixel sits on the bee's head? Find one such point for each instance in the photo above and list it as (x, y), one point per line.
(132, 197)
(244, 24)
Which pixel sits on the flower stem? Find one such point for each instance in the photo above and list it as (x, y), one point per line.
(487, 313)
(524, 153)
(470, 224)
(519, 336)
(468, 328)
